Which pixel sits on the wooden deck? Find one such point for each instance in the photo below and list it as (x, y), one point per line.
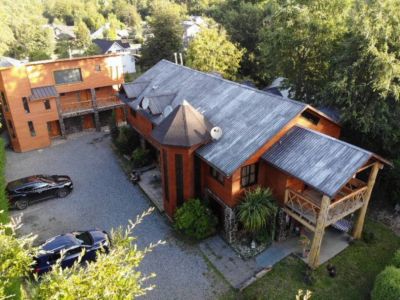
(305, 206)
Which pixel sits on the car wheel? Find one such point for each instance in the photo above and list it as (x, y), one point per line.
(21, 204)
(62, 193)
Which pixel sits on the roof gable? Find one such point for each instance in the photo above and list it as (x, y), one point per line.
(319, 160)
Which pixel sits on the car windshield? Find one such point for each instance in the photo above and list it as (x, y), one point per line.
(85, 237)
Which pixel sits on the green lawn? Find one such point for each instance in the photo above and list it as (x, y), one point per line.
(356, 267)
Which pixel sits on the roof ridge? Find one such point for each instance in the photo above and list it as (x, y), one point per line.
(236, 83)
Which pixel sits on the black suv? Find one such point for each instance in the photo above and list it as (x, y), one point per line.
(24, 191)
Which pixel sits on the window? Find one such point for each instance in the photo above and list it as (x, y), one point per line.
(31, 128)
(310, 117)
(98, 68)
(217, 175)
(26, 105)
(248, 175)
(67, 76)
(179, 179)
(165, 167)
(4, 100)
(11, 128)
(47, 104)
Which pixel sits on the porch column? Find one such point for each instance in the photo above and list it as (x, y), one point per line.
(60, 116)
(96, 113)
(313, 259)
(358, 228)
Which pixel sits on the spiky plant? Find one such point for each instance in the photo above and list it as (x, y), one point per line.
(256, 209)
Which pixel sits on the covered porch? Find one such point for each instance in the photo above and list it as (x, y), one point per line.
(328, 180)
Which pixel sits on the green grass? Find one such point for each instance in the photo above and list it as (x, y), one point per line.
(357, 267)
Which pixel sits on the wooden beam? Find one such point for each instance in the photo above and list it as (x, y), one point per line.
(299, 219)
(313, 259)
(363, 211)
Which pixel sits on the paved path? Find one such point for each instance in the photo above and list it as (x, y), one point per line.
(104, 198)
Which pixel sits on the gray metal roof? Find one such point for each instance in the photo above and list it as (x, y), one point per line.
(321, 161)
(158, 103)
(43, 92)
(183, 127)
(134, 89)
(248, 117)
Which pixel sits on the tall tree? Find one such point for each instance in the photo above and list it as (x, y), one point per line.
(82, 33)
(211, 50)
(298, 40)
(366, 84)
(167, 31)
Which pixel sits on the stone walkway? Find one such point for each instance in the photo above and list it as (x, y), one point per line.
(240, 272)
(150, 183)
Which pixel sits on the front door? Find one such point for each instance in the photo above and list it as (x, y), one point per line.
(54, 129)
(218, 210)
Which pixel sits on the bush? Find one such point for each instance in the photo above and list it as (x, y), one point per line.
(387, 285)
(127, 140)
(368, 237)
(195, 220)
(140, 157)
(396, 259)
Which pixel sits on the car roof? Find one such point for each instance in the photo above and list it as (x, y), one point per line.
(26, 181)
(60, 242)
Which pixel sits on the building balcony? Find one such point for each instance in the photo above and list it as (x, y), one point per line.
(305, 206)
(69, 109)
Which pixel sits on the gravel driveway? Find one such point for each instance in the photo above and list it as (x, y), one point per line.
(104, 198)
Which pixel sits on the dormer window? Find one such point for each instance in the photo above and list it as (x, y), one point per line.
(310, 117)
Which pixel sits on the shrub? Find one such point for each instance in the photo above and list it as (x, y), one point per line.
(368, 237)
(256, 209)
(140, 157)
(195, 220)
(127, 140)
(387, 285)
(396, 259)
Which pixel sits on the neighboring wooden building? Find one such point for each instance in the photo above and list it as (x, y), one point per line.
(217, 138)
(46, 99)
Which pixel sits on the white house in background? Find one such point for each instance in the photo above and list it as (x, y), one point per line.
(117, 46)
(191, 27)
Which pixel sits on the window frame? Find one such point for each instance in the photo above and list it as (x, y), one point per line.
(31, 128)
(218, 176)
(246, 172)
(4, 101)
(47, 105)
(25, 104)
(66, 70)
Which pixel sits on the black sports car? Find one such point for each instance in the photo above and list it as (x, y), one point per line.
(22, 192)
(73, 244)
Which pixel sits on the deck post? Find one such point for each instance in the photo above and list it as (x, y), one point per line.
(313, 259)
(358, 228)
(96, 112)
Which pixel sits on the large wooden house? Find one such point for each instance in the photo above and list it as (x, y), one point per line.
(216, 138)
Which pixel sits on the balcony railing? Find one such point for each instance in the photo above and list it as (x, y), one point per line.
(108, 101)
(306, 206)
(81, 106)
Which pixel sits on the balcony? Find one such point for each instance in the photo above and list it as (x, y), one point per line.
(69, 109)
(305, 206)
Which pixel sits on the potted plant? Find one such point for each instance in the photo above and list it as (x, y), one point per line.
(305, 243)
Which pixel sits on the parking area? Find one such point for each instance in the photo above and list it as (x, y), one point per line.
(104, 198)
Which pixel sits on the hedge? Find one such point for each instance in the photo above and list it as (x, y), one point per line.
(3, 198)
(387, 285)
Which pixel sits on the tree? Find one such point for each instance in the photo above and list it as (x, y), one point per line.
(167, 31)
(114, 25)
(256, 209)
(112, 276)
(211, 51)
(298, 40)
(82, 33)
(243, 21)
